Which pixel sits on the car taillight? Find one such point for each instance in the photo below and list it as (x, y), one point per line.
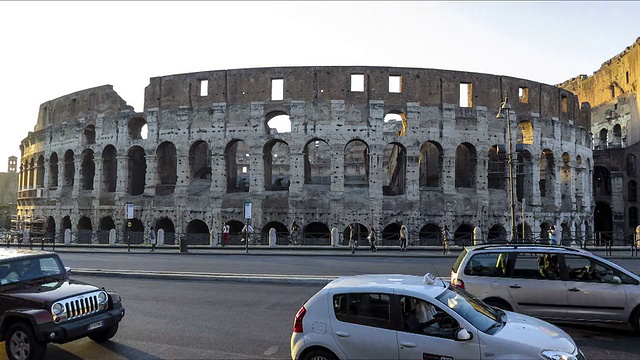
(458, 283)
(297, 323)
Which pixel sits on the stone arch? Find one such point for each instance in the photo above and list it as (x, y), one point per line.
(40, 172)
(53, 171)
(137, 163)
(395, 122)
(603, 221)
(135, 234)
(238, 162)
(106, 225)
(317, 162)
(603, 138)
(87, 170)
(85, 230)
(463, 235)
(497, 234)
(465, 166)
(66, 224)
(50, 229)
(496, 167)
(616, 140)
(524, 133)
(632, 191)
(527, 235)
(282, 233)
(199, 162)
(631, 165)
(89, 135)
(32, 168)
(316, 233)
(109, 169)
(277, 122)
(277, 172)
(198, 233)
(601, 181)
(167, 163)
(524, 176)
(136, 125)
(430, 163)
(69, 168)
(566, 235)
(429, 235)
(544, 228)
(547, 173)
(169, 229)
(394, 163)
(361, 232)
(356, 164)
(390, 234)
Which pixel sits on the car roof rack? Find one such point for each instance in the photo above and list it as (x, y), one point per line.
(515, 246)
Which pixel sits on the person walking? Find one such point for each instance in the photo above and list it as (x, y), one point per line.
(294, 233)
(247, 230)
(152, 235)
(225, 234)
(403, 237)
(446, 237)
(353, 242)
(372, 239)
(551, 233)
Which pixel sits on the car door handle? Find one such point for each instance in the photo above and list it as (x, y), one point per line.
(342, 334)
(515, 286)
(574, 289)
(408, 344)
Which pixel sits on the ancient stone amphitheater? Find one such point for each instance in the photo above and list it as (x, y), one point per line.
(322, 146)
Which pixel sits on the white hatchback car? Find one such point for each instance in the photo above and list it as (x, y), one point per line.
(376, 317)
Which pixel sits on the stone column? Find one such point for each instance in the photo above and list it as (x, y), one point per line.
(151, 176)
(97, 178)
(77, 164)
(123, 175)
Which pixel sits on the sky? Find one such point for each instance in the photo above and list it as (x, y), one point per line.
(50, 49)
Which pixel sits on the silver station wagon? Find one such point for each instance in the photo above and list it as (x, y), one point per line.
(550, 282)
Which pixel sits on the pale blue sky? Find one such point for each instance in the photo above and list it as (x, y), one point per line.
(50, 49)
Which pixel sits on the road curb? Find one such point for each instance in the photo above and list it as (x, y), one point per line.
(193, 276)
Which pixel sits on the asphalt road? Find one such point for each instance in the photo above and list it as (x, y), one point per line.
(218, 320)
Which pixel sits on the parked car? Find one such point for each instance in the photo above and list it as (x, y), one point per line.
(550, 282)
(39, 304)
(379, 317)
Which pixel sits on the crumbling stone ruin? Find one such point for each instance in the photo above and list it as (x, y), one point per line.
(322, 146)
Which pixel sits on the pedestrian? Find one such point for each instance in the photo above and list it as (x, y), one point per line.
(353, 242)
(403, 237)
(551, 233)
(152, 235)
(247, 230)
(446, 237)
(372, 239)
(225, 234)
(294, 233)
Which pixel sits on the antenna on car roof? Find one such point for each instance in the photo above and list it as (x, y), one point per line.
(435, 271)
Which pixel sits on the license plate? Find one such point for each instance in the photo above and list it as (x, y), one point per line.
(95, 325)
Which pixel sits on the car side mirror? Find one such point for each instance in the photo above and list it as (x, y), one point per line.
(67, 270)
(616, 280)
(463, 335)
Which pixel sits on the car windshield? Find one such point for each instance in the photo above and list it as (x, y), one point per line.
(470, 308)
(21, 269)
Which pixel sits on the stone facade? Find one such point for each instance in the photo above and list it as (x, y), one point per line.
(366, 145)
(612, 92)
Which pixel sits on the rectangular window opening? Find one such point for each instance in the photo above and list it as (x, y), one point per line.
(523, 95)
(395, 84)
(357, 82)
(466, 95)
(204, 87)
(565, 103)
(277, 89)
(244, 169)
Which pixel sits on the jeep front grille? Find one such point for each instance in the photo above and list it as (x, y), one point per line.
(80, 306)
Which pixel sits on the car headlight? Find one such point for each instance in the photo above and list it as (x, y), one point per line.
(102, 297)
(557, 355)
(57, 309)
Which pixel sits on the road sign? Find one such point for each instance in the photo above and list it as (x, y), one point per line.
(129, 224)
(247, 209)
(129, 210)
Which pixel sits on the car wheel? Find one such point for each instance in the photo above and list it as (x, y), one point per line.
(21, 343)
(105, 334)
(319, 354)
(499, 303)
(635, 319)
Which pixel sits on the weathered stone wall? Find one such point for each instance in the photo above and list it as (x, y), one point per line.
(321, 106)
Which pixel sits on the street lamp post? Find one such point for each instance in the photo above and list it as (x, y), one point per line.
(505, 108)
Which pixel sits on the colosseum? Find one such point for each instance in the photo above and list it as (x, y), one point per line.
(324, 147)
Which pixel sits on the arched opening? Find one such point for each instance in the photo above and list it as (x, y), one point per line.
(106, 225)
(429, 235)
(135, 234)
(136, 128)
(238, 166)
(85, 230)
(87, 170)
(391, 235)
(523, 233)
(199, 165)
(603, 222)
(66, 224)
(524, 133)
(166, 225)
(69, 169)
(603, 139)
(282, 233)
(463, 235)
(40, 172)
(276, 166)
(430, 164)
(631, 165)
(497, 235)
(50, 229)
(465, 166)
(53, 171)
(316, 233)
(524, 176)
(32, 170)
(317, 163)
(360, 233)
(356, 164)
(278, 122)
(394, 164)
(109, 169)
(632, 191)
(198, 233)
(137, 171)
(567, 236)
(167, 168)
(395, 123)
(496, 167)
(89, 135)
(601, 181)
(547, 174)
(616, 142)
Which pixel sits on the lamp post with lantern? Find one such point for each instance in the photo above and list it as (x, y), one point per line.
(503, 112)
